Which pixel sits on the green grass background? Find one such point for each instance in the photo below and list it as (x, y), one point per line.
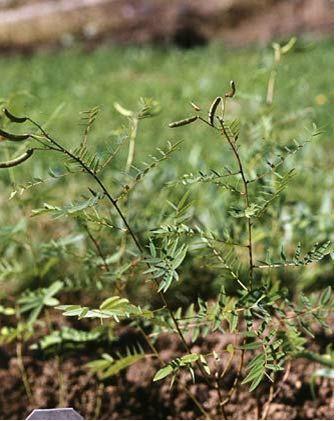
(54, 87)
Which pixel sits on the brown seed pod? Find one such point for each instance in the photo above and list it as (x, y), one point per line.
(212, 110)
(231, 93)
(18, 160)
(14, 118)
(13, 137)
(183, 122)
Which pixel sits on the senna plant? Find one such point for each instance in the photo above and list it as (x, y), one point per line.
(270, 328)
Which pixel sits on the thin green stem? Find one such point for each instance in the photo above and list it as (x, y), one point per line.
(131, 149)
(156, 353)
(247, 200)
(276, 265)
(97, 246)
(129, 229)
(250, 246)
(96, 178)
(273, 392)
(23, 372)
(220, 399)
(235, 383)
(206, 122)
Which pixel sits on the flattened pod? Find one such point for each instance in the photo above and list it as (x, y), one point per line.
(183, 122)
(233, 90)
(213, 109)
(14, 137)
(14, 118)
(18, 160)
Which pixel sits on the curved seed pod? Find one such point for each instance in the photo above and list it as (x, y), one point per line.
(183, 122)
(18, 160)
(14, 137)
(232, 91)
(195, 106)
(14, 118)
(212, 110)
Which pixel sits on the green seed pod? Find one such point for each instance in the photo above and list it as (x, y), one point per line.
(183, 122)
(13, 137)
(195, 106)
(232, 91)
(213, 109)
(13, 118)
(18, 160)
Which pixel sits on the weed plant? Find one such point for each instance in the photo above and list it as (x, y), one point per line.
(271, 323)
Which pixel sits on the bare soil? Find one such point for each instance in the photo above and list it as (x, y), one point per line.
(33, 24)
(64, 381)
